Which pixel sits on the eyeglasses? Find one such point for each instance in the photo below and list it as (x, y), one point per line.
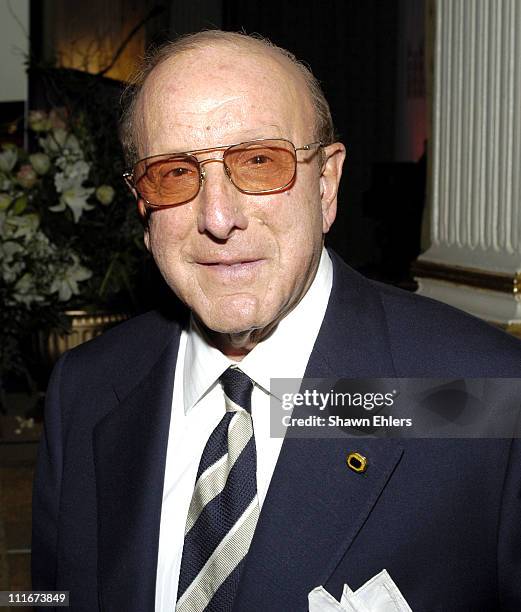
(254, 167)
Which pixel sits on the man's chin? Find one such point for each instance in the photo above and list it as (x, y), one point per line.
(233, 325)
(239, 320)
(235, 314)
(230, 326)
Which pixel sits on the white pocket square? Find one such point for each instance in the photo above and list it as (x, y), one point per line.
(380, 594)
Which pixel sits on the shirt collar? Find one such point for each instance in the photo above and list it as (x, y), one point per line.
(284, 354)
(203, 366)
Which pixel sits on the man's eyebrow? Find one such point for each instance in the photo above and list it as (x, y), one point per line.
(243, 135)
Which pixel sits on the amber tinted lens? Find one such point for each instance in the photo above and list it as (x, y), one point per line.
(261, 166)
(167, 180)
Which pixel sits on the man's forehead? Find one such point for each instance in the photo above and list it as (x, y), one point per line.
(208, 96)
(197, 71)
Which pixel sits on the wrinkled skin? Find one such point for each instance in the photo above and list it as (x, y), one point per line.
(240, 262)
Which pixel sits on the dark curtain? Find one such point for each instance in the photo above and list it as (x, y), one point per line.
(351, 46)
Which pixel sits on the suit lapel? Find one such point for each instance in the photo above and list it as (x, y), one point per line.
(130, 447)
(315, 505)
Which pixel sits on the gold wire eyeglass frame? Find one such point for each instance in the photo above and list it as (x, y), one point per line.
(129, 178)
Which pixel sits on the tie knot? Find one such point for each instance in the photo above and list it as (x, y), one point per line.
(237, 387)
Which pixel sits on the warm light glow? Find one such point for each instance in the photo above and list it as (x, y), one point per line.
(93, 56)
(88, 35)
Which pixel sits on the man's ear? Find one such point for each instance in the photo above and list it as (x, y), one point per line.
(143, 212)
(144, 215)
(333, 160)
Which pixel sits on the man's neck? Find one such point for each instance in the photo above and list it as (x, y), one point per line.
(237, 346)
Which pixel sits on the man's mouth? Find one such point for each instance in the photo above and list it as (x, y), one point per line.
(229, 262)
(232, 269)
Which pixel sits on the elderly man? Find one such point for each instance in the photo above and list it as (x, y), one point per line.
(158, 484)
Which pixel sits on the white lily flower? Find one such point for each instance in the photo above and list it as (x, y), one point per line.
(76, 199)
(72, 176)
(61, 182)
(66, 284)
(58, 207)
(79, 170)
(21, 226)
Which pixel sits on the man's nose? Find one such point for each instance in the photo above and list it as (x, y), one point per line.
(221, 209)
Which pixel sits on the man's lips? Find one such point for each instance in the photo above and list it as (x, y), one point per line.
(232, 269)
(229, 262)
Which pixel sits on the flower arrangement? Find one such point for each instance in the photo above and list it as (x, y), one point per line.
(69, 237)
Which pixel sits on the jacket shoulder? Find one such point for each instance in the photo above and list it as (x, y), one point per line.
(440, 337)
(424, 337)
(121, 354)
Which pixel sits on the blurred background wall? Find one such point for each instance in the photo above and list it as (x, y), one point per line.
(14, 51)
(14, 47)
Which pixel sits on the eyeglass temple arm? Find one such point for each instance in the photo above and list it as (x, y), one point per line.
(317, 143)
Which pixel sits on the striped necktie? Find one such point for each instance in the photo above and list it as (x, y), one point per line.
(224, 509)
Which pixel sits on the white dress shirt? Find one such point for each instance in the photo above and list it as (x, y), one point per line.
(198, 406)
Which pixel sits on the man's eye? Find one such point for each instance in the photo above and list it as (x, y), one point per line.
(258, 160)
(178, 171)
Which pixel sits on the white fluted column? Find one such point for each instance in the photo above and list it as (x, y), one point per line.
(474, 261)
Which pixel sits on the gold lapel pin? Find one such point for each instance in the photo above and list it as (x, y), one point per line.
(356, 462)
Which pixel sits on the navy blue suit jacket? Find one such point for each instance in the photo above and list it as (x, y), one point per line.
(443, 517)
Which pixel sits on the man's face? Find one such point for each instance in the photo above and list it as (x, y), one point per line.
(240, 262)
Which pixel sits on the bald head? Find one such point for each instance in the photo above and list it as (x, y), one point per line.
(215, 55)
(210, 96)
